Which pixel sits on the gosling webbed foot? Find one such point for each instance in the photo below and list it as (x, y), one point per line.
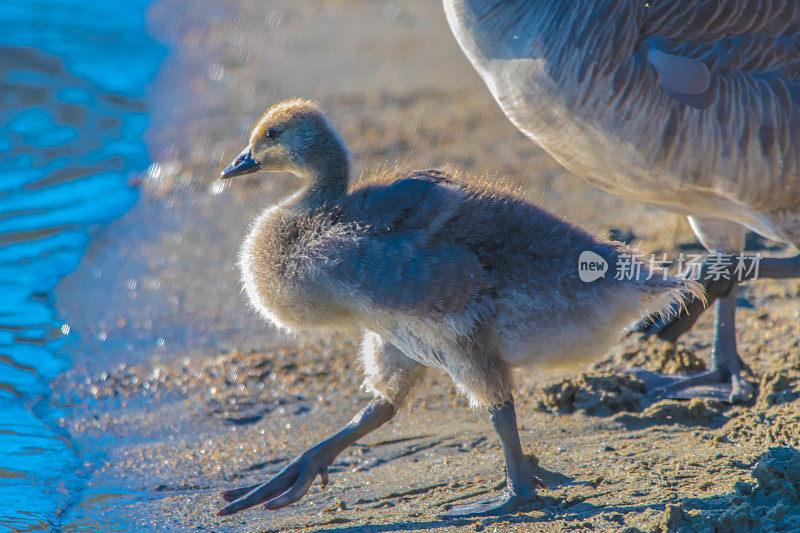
(501, 505)
(291, 483)
(521, 477)
(286, 487)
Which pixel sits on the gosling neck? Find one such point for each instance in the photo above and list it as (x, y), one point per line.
(326, 174)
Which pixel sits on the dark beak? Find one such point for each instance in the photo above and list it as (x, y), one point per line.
(243, 164)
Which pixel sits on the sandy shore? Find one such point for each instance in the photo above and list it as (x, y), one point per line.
(181, 391)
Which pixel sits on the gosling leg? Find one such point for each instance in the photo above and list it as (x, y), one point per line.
(520, 477)
(292, 483)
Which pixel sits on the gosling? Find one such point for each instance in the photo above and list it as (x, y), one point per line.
(432, 272)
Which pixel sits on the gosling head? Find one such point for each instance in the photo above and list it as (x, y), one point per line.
(292, 136)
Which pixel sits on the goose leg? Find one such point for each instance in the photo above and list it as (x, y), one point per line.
(724, 380)
(521, 479)
(682, 316)
(716, 236)
(725, 377)
(291, 483)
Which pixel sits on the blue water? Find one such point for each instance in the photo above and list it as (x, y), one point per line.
(73, 79)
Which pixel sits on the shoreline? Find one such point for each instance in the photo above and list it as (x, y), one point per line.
(72, 125)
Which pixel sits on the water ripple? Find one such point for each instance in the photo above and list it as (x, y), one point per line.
(72, 115)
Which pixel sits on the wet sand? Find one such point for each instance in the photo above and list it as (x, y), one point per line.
(180, 390)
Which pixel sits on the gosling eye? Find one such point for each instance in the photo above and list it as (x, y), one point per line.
(273, 134)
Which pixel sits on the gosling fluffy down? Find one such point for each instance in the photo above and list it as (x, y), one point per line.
(466, 278)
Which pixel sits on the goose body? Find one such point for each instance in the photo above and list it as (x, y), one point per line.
(692, 106)
(434, 272)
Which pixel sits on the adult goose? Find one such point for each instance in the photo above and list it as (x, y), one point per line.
(690, 105)
(434, 272)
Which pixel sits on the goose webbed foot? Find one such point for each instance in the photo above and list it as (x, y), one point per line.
(720, 384)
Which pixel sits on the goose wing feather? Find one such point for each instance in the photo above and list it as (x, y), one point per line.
(712, 20)
(597, 38)
(756, 40)
(701, 97)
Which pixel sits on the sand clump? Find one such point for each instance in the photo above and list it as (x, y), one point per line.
(775, 419)
(595, 394)
(657, 356)
(772, 503)
(607, 391)
(777, 388)
(698, 411)
(606, 394)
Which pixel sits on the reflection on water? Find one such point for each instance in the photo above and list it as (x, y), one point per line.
(73, 74)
